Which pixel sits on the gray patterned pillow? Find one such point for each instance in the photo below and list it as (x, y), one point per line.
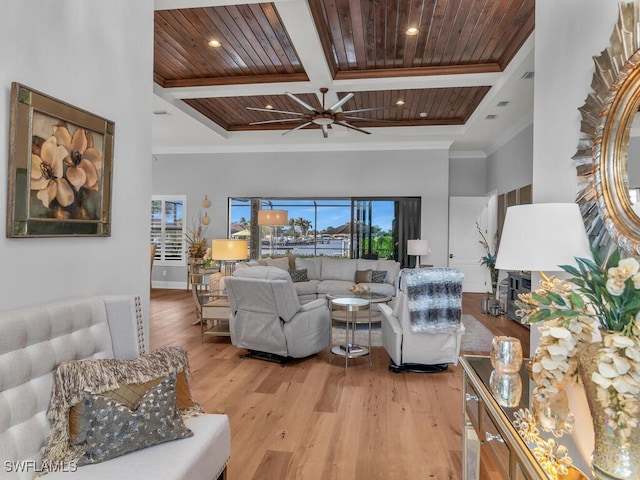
(113, 429)
(378, 276)
(299, 275)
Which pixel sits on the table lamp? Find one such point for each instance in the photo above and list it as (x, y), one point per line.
(417, 248)
(273, 218)
(541, 237)
(227, 252)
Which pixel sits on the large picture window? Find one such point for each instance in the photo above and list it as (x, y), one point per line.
(343, 227)
(168, 229)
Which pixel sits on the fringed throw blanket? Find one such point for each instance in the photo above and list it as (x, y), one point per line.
(98, 376)
(434, 299)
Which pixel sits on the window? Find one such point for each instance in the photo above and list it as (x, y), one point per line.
(347, 227)
(168, 228)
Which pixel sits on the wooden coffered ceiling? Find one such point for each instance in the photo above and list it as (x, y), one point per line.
(442, 74)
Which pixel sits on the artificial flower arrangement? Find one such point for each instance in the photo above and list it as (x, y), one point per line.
(196, 241)
(600, 295)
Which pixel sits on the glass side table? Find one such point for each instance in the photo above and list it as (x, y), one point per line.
(349, 349)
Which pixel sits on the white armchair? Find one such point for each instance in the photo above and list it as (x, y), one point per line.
(268, 320)
(423, 331)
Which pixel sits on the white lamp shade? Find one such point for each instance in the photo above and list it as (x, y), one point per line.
(225, 249)
(417, 247)
(541, 237)
(273, 217)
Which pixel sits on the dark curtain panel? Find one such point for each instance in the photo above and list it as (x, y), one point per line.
(254, 238)
(408, 228)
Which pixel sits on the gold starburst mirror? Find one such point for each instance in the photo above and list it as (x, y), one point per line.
(601, 159)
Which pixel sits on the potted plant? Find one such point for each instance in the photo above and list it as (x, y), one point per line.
(489, 261)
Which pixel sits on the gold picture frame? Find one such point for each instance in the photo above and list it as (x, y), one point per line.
(60, 168)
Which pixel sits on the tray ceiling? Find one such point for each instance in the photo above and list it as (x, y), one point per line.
(441, 74)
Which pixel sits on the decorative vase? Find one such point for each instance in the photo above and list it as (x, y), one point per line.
(506, 354)
(613, 457)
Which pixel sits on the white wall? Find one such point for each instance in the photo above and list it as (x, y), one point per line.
(98, 56)
(468, 176)
(510, 166)
(308, 174)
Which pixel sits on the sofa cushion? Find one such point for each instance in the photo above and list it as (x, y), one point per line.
(392, 268)
(378, 276)
(112, 429)
(338, 269)
(299, 275)
(264, 272)
(306, 288)
(334, 286)
(201, 456)
(99, 376)
(312, 265)
(282, 262)
(367, 264)
(363, 276)
(129, 395)
(384, 288)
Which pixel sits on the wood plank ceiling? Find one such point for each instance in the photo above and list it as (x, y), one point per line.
(362, 40)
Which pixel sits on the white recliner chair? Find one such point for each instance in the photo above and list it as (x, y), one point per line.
(423, 331)
(268, 320)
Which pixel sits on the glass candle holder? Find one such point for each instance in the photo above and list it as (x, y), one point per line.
(506, 354)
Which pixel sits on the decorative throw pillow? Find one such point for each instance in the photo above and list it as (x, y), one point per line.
(282, 262)
(129, 395)
(112, 429)
(71, 379)
(363, 276)
(378, 276)
(299, 275)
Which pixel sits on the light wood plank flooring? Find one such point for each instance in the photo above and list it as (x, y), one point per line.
(312, 419)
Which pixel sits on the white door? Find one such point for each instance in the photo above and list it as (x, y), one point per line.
(465, 250)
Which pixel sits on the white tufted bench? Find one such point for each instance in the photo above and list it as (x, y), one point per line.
(34, 340)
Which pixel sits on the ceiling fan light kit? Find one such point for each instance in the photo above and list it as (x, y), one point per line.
(324, 118)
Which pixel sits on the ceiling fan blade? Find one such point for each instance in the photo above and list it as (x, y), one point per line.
(282, 120)
(341, 102)
(297, 128)
(301, 102)
(325, 131)
(345, 124)
(349, 117)
(371, 109)
(271, 110)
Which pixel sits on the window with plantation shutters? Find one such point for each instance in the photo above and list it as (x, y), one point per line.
(168, 229)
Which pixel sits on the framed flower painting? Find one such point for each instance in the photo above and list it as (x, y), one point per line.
(60, 168)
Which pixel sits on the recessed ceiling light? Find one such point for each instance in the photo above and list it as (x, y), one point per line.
(490, 117)
(214, 43)
(423, 114)
(400, 102)
(269, 107)
(412, 31)
(503, 103)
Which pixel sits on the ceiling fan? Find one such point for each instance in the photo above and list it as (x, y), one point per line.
(325, 118)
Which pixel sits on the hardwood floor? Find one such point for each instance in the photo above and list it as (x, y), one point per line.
(314, 420)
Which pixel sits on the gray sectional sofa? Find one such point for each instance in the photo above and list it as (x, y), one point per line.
(314, 277)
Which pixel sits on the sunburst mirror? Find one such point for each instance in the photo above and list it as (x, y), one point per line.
(601, 159)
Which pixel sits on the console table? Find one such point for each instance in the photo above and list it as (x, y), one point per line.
(488, 427)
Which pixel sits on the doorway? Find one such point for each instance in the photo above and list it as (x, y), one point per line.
(465, 250)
